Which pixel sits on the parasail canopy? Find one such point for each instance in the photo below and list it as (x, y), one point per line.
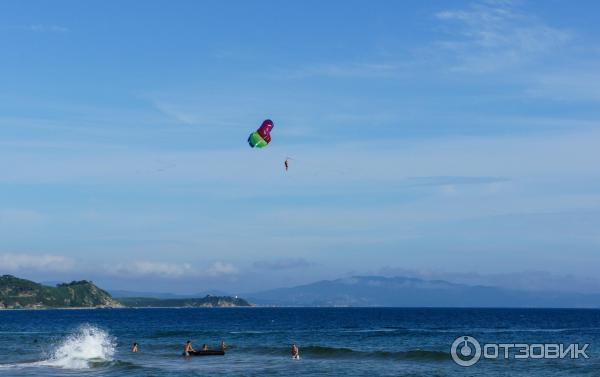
(261, 137)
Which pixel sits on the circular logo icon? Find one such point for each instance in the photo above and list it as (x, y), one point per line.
(465, 351)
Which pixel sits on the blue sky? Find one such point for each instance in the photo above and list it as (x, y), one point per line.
(454, 140)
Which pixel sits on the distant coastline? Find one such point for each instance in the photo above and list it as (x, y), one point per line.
(355, 291)
(22, 294)
(206, 302)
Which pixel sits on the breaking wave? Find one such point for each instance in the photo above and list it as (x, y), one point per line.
(87, 347)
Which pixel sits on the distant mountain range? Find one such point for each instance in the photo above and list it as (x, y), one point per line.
(410, 292)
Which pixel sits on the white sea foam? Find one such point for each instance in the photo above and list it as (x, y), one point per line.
(80, 350)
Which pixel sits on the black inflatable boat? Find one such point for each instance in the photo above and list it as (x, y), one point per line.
(207, 353)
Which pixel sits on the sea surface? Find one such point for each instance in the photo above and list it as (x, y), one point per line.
(332, 341)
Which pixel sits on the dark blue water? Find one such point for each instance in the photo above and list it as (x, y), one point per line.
(333, 342)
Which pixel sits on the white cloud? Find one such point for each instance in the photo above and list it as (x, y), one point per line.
(39, 28)
(221, 269)
(282, 264)
(170, 270)
(495, 35)
(148, 268)
(26, 262)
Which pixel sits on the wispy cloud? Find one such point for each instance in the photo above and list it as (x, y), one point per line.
(221, 269)
(282, 264)
(148, 268)
(346, 70)
(43, 28)
(12, 262)
(453, 180)
(496, 35)
(175, 113)
(574, 85)
(169, 270)
(200, 112)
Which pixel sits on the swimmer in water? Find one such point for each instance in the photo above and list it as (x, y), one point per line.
(295, 352)
(134, 348)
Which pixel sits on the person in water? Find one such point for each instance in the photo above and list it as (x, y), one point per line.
(295, 352)
(188, 348)
(205, 347)
(134, 348)
(222, 346)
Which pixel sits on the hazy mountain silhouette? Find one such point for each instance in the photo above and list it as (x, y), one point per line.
(412, 292)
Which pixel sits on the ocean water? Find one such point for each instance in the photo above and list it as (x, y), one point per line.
(332, 341)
